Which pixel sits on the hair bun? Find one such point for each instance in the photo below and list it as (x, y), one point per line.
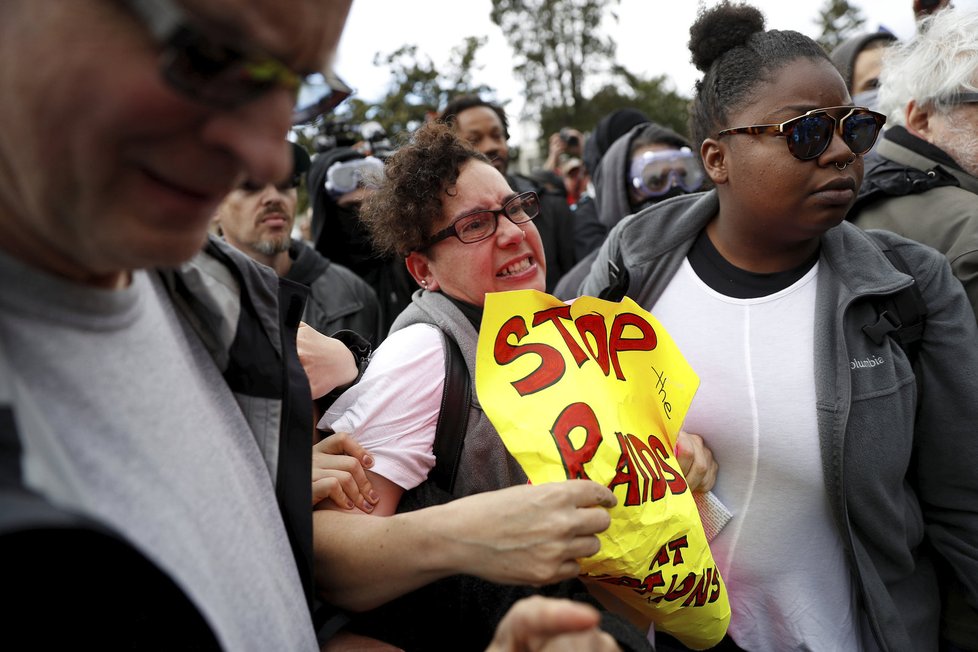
(720, 29)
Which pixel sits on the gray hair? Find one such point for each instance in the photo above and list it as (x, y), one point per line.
(941, 60)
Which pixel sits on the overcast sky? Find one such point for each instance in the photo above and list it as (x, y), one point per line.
(651, 37)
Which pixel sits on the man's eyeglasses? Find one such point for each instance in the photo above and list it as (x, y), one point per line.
(218, 73)
(289, 184)
(654, 174)
(479, 225)
(809, 135)
(965, 97)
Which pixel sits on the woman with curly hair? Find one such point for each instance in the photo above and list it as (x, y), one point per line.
(463, 232)
(849, 468)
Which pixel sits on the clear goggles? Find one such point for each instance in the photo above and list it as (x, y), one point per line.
(656, 173)
(347, 176)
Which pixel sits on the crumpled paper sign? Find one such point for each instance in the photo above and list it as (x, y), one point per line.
(599, 390)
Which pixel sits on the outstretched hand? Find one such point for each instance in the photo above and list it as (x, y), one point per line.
(338, 476)
(530, 534)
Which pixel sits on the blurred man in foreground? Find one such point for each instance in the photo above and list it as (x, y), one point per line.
(154, 419)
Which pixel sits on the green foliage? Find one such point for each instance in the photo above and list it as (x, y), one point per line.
(653, 96)
(838, 20)
(417, 89)
(557, 46)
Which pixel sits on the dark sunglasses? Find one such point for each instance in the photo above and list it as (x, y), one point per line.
(809, 135)
(209, 70)
(292, 182)
(481, 224)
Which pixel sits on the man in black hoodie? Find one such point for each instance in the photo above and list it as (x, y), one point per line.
(338, 182)
(257, 220)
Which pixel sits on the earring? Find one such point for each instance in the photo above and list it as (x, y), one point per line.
(851, 160)
(424, 283)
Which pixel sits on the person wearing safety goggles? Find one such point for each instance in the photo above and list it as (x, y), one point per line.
(646, 165)
(339, 181)
(848, 485)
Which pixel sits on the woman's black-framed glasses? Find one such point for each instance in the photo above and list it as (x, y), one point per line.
(481, 224)
(215, 72)
(809, 135)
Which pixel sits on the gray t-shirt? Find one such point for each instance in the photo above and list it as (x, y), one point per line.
(126, 418)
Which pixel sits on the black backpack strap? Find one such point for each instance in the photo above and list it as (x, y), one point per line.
(903, 315)
(618, 281)
(453, 417)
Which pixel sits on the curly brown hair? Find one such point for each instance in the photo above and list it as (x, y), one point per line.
(401, 214)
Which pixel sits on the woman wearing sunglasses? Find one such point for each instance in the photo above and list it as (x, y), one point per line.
(849, 470)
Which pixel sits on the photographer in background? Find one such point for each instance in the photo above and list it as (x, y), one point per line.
(566, 144)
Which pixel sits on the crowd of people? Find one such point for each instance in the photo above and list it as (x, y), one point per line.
(217, 433)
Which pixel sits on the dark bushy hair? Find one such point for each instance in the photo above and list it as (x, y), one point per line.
(400, 215)
(459, 104)
(730, 46)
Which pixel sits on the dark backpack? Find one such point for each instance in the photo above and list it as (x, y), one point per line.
(453, 417)
(903, 315)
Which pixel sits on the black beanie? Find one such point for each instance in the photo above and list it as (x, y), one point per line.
(609, 129)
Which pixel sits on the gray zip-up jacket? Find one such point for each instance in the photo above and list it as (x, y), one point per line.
(899, 456)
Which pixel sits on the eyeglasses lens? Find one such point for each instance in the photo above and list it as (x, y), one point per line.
(317, 95)
(859, 131)
(522, 208)
(810, 136)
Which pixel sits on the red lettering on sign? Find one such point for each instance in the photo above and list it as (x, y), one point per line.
(701, 595)
(576, 415)
(593, 325)
(626, 473)
(641, 465)
(677, 484)
(551, 367)
(554, 315)
(618, 342)
(644, 454)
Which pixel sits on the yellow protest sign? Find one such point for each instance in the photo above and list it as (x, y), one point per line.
(599, 390)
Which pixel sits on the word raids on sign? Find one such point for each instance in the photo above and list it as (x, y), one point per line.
(644, 467)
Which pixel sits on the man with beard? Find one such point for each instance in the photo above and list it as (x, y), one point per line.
(925, 183)
(484, 125)
(258, 220)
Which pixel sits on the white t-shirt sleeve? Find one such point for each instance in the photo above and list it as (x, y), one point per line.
(393, 410)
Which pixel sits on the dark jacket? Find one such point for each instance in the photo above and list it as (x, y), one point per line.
(340, 236)
(556, 226)
(918, 191)
(338, 298)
